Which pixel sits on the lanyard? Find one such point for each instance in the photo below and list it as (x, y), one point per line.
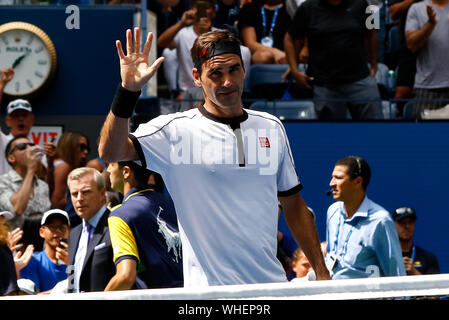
(264, 20)
(345, 244)
(413, 254)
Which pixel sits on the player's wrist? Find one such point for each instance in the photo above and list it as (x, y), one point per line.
(124, 102)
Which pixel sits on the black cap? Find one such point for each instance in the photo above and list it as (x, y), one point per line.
(403, 212)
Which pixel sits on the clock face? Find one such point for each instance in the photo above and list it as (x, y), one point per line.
(30, 53)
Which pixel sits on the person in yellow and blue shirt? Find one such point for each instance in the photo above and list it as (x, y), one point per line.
(144, 232)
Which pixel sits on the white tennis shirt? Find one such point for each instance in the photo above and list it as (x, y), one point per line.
(225, 185)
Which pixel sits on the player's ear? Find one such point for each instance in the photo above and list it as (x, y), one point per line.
(196, 77)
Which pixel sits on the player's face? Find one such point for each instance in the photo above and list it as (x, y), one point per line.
(222, 79)
(87, 199)
(405, 228)
(341, 183)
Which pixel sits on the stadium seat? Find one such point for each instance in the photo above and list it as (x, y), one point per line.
(407, 112)
(295, 109)
(393, 43)
(265, 73)
(287, 110)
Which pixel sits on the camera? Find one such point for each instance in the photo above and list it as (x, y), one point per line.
(201, 9)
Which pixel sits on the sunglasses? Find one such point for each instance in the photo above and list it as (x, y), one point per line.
(405, 210)
(57, 227)
(84, 147)
(21, 146)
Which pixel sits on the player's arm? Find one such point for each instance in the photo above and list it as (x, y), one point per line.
(302, 226)
(125, 276)
(135, 72)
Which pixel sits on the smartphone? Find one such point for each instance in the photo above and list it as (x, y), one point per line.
(65, 240)
(201, 9)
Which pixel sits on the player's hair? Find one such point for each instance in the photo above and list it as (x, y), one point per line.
(205, 42)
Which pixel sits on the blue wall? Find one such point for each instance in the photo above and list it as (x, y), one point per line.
(88, 67)
(409, 163)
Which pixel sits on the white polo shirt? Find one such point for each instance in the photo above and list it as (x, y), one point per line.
(225, 192)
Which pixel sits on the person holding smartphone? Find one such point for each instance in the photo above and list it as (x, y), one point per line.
(181, 36)
(47, 267)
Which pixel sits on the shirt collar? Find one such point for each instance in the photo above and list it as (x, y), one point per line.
(362, 211)
(138, 189)
(96, 218)
(230, 121)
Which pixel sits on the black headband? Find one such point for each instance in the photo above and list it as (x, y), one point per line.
(220, 47)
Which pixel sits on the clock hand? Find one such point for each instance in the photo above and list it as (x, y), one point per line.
(18, 60)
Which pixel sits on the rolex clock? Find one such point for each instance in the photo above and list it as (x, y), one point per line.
(31, 53)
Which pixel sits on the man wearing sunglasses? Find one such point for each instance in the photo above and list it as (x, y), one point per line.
(416, 260)
(19, 119)
(21, 191)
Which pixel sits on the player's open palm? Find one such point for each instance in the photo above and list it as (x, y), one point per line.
(135, 69)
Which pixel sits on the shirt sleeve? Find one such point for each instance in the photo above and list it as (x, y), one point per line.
(246, 16)
(5, 194)
(412, 22)
(388, 251)
(152, 143)
(122, 240)
(287, 178)
(298, 27)
(31, 272)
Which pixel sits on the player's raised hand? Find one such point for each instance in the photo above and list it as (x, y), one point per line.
(135, 69)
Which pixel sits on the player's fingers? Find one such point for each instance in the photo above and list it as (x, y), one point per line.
(136, 40)
(129, 42)
(147, 47)
(120, 52)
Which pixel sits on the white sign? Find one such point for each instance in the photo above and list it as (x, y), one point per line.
(44, 134)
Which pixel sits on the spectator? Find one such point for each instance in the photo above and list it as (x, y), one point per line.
(361, 237)
(144, 232)
(6, 75)
(300, 265)
(227, 15)
(71, 153)
(21, 191)
(10, 267)
(407, 60)
(417, 261)
(90, 250)
(426, 33)
(181, 36)
(336, 36)
(227, 238)
(47, 267)
(262, 25)
(8, 276)
(19, 119)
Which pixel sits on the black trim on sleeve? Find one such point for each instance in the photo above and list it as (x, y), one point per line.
(290, 192)
(124, 102)
(139, 150)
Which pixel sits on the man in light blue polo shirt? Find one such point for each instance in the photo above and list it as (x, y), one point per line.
(362, 240)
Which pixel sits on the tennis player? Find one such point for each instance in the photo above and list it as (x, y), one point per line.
(225, 167)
